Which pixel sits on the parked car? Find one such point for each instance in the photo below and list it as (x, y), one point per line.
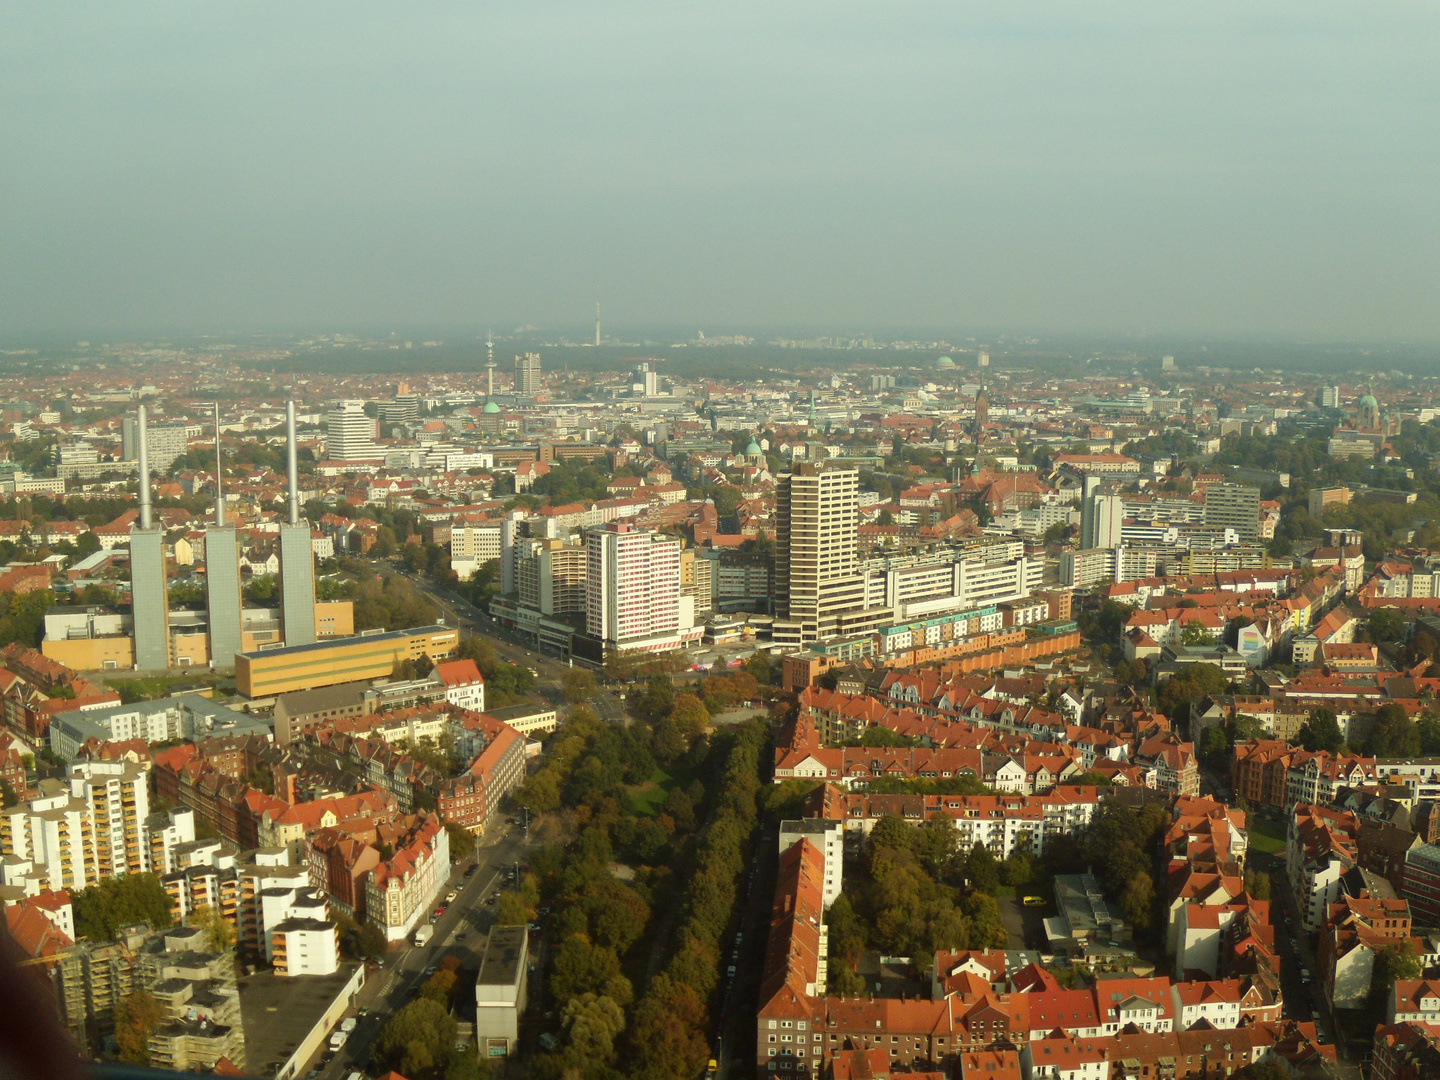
(450, 896)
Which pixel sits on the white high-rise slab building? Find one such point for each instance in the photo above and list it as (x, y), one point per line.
(633, 598)
(1101, 518)
(349, 433)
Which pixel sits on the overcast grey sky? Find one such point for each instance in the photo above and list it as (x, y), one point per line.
(1216, 169)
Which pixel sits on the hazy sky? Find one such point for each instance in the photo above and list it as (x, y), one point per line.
(1216, 169)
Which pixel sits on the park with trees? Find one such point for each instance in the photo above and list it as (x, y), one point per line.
(649, 826)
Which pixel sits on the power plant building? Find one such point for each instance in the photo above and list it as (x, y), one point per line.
(149, 586)
(297, 555)
(222, 576)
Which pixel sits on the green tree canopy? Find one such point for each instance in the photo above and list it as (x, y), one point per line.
(127, 900)
(1321, 732)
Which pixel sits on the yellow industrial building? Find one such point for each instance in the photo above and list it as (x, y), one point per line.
(189, 639)
(268, 672)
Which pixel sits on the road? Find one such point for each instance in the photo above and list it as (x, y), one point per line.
(459, 932)
(735, 1019)
(460, 612)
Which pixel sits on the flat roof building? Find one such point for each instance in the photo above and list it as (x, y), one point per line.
(269, 672)
(500, 990)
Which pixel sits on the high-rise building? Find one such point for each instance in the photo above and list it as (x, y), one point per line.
(819, 587)
(527, 373)
(695, 580)
(76, 453)
(1101, 517)
(1167, 363)
(164, 443)
(1234, 506)
(550, 576)
(149, 586)
(79, 831)
(982, 359)
(404, 409)
(632, 589)
(646, 380)
(222, 575)
(1330, 397)
(349, 433)
(297, 554)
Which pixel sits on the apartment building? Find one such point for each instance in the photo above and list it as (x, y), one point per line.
(78, 831)
(633, 600)
(819, 586)
(402, 888)
(1320, 849)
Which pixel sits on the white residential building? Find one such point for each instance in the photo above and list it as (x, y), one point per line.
(633, 599)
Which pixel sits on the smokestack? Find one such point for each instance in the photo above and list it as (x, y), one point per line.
(219, 494)
(292, 468)
(144, 471)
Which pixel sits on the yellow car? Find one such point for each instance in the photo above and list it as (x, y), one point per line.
(1033, 901)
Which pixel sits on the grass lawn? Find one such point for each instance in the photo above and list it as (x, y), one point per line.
(647, 798)
(1267, 837)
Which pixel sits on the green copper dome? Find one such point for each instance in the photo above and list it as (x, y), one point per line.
(1369, 402)
(753, 448)
(491, 407)
(945, 361)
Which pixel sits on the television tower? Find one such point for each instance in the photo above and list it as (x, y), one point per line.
(597, 323)
(489, 365)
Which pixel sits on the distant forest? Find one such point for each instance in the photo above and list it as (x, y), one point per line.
(1063, 356)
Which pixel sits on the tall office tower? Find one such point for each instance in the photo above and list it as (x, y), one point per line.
(819, 587)
(222, 575)
(1101, 517)
(297, 554)
(405, 409)
(149, 587)
(527, 373)
(164, 443)
(632, 588)
(646, 380)
(1233, 506)
(349, 433)
(982, 359)
(1167, 363)
(1330, 397)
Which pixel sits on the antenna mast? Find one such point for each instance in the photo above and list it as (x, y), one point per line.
(489, 365)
